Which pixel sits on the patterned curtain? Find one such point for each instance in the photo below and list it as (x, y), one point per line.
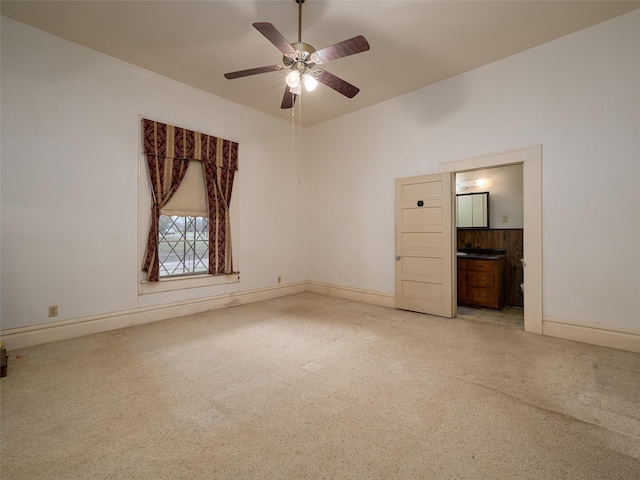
(219, 172)
(169, 150)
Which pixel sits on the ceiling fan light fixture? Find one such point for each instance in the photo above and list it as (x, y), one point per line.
(301, 58)
(293, 79)
(310, 83)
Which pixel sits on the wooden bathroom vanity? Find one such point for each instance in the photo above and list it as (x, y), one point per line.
(481, 279)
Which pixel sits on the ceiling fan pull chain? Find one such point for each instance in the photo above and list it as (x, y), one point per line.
(299, 137)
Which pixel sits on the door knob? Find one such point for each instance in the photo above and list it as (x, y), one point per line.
(398, 257)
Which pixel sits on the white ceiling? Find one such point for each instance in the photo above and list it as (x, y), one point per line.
(413, 43)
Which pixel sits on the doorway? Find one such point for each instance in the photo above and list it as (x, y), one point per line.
(531, 160)
(489, 245)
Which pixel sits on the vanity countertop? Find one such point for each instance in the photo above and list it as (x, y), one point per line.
(487, 255)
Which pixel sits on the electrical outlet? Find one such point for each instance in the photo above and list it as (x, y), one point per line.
(53, 311)
(279, 279)
(505, 218)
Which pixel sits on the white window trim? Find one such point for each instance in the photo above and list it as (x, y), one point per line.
(183, 283)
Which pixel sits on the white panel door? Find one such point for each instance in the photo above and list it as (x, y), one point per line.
(424, 244)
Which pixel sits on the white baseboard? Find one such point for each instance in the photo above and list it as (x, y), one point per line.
(22, 337)
(557, 327)
(355, 294)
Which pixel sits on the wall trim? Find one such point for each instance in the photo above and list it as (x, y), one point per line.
(356, 294)
(531, 160)
(32, 335)
(561, 328)
(23, 337)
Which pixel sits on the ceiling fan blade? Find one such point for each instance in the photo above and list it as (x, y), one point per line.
(343, 49)
(339, 85)
(252, 71)
(274, 36)
(288, 99)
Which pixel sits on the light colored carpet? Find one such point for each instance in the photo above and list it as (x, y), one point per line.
(311, 387)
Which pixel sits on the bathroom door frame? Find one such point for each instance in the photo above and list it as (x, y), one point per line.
(531, 160)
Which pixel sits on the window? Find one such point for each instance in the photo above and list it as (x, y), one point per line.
(183, 227)
(183, 245)
(188, 208)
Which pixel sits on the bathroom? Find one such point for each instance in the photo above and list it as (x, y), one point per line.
(490, 228)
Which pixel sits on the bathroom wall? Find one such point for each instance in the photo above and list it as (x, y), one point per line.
(504, 185)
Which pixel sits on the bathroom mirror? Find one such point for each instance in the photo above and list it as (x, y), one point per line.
(472, 210)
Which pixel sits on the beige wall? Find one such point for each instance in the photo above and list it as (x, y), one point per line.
(71, 225)
(576, 96)
(69, 173)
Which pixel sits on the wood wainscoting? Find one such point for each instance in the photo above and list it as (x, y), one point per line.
(510, 240)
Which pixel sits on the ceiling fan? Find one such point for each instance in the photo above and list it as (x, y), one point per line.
(302, 59)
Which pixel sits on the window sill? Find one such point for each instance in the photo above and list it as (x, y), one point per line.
(183, 283)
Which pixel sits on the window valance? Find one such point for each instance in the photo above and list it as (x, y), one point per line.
(169, 141)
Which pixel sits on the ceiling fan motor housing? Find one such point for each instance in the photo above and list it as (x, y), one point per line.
(301, 58)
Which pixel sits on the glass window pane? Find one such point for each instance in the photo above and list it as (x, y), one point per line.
(183, 245)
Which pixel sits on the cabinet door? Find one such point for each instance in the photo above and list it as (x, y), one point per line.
(463, 296)
(464, 211)
(480, 211)
(479, 265)
(481, 279)
(485, 297)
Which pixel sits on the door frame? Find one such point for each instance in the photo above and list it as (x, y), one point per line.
(531, 160)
